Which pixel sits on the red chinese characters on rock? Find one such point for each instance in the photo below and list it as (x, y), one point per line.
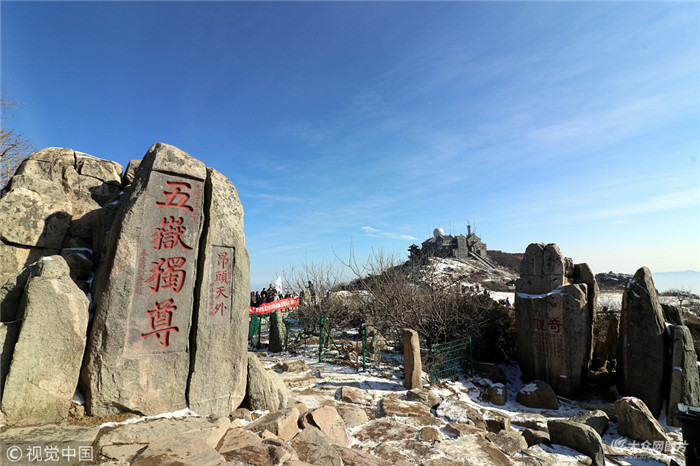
(168, 236)
(168, 273)
(176, 198)
(220, 287)
(161, 322)
(548, 338)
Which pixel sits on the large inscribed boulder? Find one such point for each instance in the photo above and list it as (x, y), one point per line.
(217, 383)
(555, 313)
(138, 355)
(641, 351)
(44, 370)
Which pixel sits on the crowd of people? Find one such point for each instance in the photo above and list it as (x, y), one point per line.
(267, 295)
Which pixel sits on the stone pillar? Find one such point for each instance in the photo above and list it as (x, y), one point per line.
(412, 367)
(641, 354)
(277, 332)
(684, 381)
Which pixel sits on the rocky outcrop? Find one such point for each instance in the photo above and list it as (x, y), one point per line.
(578, 436)
(314, 447)
(282, 423)
(634, 420)
(58, 199)
(556, 304)
(538, 394)
(642, 343)
(328, 421)
(684, 384)
(597, 419)
(44, 370)
(265, 389)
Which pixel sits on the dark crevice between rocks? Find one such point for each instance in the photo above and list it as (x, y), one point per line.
(198, 284)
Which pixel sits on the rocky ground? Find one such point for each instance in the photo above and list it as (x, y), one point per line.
(338, 415)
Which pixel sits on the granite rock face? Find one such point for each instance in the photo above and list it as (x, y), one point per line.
(684, 380)
(642, 343)
(556, 305)
(266, 389)
(58, 199)
(44, 371)
(219, 357)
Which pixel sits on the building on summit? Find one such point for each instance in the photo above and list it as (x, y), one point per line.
(442, 245)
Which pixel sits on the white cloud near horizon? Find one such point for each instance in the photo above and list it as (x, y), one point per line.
(373, 232)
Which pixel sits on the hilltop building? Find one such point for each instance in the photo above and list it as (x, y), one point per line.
(460, 247)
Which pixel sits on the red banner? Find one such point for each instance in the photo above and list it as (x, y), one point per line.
(275, 306)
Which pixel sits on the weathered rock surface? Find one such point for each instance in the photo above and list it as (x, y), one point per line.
(474, 450)
(634, 420)
(138, 355)
(294, 365)
(530, 421)
(641, 358)
(461, 412)
(535, 437)
(392, 406)
(44, 371)
(509, 442)
(597, 419)
(354, 395)
(328, 421)
(412, 367)
(266, 390)
(282, 423)
(538, 394)
(35, 212)
(205, 430)
(181, 450)
(491, 371)
(356, 457)
(497, 394)
(428, 397)
(460, 430)
(57, 199)
(578, 436)
(353, 416)
(684, 380)
(217, 382)
(384, 430)
(313, 447)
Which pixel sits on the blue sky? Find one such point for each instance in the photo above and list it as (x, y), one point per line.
(373, 123)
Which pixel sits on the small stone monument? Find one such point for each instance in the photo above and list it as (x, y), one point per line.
(412, 367)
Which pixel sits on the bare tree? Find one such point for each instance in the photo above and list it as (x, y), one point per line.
(14, 146)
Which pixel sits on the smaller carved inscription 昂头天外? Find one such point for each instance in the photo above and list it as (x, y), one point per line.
(221, 281)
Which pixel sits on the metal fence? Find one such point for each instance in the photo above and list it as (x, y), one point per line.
(451, 359)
